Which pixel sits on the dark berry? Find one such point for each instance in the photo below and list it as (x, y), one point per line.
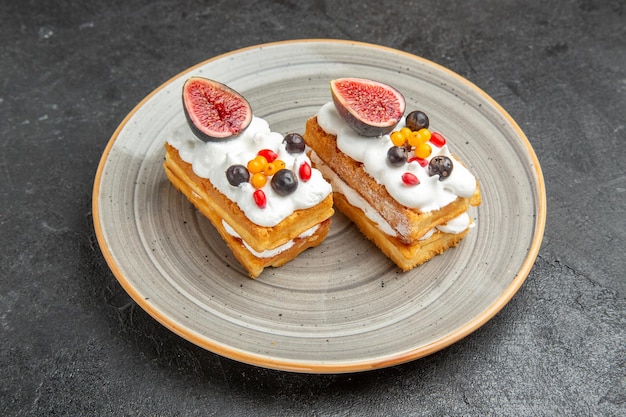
(440, 165)
(237, 174)
(396, 155)
(417, 120)
(284, 182)
(294, 143)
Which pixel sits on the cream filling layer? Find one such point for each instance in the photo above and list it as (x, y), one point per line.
(454, 226)
(270, 252)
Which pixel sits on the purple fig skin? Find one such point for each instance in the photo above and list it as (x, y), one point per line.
(213, 110)
(360, 124)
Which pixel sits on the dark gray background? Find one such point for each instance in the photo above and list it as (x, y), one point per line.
(72, 342)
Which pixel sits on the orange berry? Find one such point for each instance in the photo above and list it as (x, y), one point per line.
(258, 180)
(279, 164)
(424, 134)
(257, 164)
(423, 150)
(397, 138)
(270, 169)
(405, 132)
(415, 139)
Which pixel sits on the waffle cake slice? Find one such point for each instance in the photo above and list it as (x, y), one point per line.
(257, 188)
(412, 209)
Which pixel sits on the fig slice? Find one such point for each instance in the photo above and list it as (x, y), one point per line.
(214, 110)
(369, 107)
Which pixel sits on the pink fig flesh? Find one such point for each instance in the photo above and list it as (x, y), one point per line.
(214, 110)
(370, 108)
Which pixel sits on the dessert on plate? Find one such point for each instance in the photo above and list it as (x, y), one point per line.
(257, 187)
(393, 176)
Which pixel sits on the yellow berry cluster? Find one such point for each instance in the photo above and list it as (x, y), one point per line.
(262, 166)
(417, 139)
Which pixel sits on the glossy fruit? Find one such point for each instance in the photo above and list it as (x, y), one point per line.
(305, 171)
(396, 155)
(410, 179)
(294, 143)
(437, 139)
(423, 150)
(259, 198)
(417, 120)
(284, 182)
(423, 162)
(397, 138)
(237, 174)
(440, 165)
(271, 168)
(258, 180)
(214, 111)
(257, 164)
(369, 107)
(268, 154)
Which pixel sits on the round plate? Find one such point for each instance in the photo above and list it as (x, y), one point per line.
(343, 306)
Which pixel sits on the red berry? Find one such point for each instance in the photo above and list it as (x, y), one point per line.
(423, 162)
(305, 171)
(269, 154)
(259, 198)
(410, 179)
(437, 139)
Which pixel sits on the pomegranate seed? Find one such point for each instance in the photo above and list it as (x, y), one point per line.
(423, 162)
(259, 198)
(305, 171)
(410, 179)
(268, 154)
(437, 139)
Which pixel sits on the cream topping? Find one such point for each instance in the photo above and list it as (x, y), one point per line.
(211, 160)
(269, 253)
(454, 226)
(430, 194)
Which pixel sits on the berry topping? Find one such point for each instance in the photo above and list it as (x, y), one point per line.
(258, 180)
(237, 174)
(268, 154)
(305, 171)
(396, 155)
(440, 165)
(410, 179)
(272, 168)
(259, 198)
(284, 182)
(423, 150)
(397, 138)
(257, 164)
(437, 139)
(417, 120)
(294, 143)
(423, 162)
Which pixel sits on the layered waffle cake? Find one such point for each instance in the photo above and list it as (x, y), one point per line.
(403, 189)
(258, 188)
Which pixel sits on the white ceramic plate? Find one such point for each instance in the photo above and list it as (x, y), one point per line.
(343, 306)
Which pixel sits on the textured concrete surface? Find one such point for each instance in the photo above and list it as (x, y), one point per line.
(72, 342)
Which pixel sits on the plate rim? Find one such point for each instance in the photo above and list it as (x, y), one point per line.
(344, 366)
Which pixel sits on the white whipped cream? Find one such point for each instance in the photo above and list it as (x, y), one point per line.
(454, 226)
(211, 160)
(270, 252)
(430, 194)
